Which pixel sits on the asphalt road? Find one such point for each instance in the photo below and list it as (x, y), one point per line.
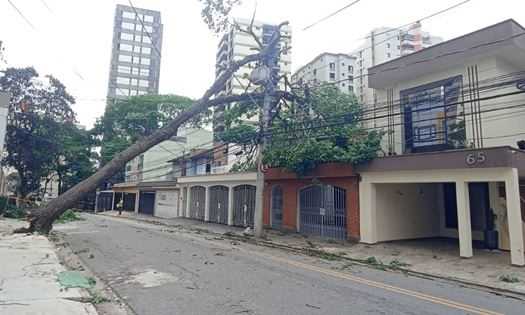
(161, 271)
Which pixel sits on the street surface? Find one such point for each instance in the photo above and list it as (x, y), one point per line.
(158, 270)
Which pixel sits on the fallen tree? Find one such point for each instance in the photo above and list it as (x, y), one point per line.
(41, 220)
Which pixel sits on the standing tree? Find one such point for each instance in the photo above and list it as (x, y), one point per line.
(37, 111)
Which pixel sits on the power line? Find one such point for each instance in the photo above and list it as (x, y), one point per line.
(423, 61)
(405, 25)
(331, 14)
(22, 15)
(144, 28)
(421, 19)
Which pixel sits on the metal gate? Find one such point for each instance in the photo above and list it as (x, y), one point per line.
(197, 202)
(277, 207)
(219, 204)
(323, 211)
(244, 205)
(147, 202)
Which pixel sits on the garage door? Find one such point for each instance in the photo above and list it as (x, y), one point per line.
(147, 202)
(166, 204)
(244, 205)
(197, 202)
(219, 204)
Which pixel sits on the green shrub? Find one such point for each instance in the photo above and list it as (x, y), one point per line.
(69, 216)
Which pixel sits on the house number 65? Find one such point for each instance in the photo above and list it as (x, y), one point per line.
(476, 158)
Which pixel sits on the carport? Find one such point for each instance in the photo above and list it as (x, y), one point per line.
(445, 194)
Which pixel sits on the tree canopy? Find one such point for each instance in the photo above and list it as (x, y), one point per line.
(323, 125)
(40, 118)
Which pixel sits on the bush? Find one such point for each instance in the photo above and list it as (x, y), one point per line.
(9, 210)
(69, 216)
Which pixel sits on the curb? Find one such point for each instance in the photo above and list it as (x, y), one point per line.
(319, 253)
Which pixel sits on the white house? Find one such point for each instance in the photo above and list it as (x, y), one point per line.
(452, 115)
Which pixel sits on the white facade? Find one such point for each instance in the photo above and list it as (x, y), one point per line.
(337, 69)
(153, 165)
(384, 44)
(234, 46)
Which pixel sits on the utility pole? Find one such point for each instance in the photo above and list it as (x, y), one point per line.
(269, 66)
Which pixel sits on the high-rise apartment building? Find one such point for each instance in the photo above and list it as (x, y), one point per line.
(136, 52)
(235, 45)
(337, 69)
(384, 44)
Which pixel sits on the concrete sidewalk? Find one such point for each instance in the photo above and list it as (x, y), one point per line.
(435, 257)
(28, 276)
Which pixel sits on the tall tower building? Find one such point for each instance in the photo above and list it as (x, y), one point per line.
(336, 69)
(384, 44)
(234, 46)
(136, 52)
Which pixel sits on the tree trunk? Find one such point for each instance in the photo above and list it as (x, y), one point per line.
(41, 220)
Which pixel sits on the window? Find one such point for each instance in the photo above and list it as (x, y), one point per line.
(146, 40)
(146, 50)
(350, 69)
(128, 26)
(136, 49)
(136, 60)
(144, 72)
(124, 58)
(132, 92)
(343, 75)
(388, 55)
(128, 15)
(332, 76)
(387, 45)
(148, 18)
(424, 108)
(142, 92)
(350, 89)
(121, 80)
(126, 36)
(145, 61)
(138, 38)
(148, 29)
(134, 81)
(143, 83)
(126, 47)
(135, 71)
(123, 69)
(122, 92)
(332, 66)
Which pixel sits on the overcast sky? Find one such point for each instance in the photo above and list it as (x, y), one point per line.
(71, 39)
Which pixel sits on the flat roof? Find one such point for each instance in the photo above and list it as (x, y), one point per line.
(504, 156)
(506, 34)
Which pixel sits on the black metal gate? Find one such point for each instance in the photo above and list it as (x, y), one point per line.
(104, 201)
(322, 211)
(244, 205)
(219, 204)
(147, 202)
(197, 202)
(128, 203)
(277, 207)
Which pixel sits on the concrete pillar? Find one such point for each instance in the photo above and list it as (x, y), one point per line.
(188, 201)
(96, 201)
(368, 213)
(113, 201)
(230, 205)
(137, 200)
(464, 225)
(207, 205)
(512, 190)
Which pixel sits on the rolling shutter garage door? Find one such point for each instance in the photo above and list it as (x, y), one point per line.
(167, 203)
